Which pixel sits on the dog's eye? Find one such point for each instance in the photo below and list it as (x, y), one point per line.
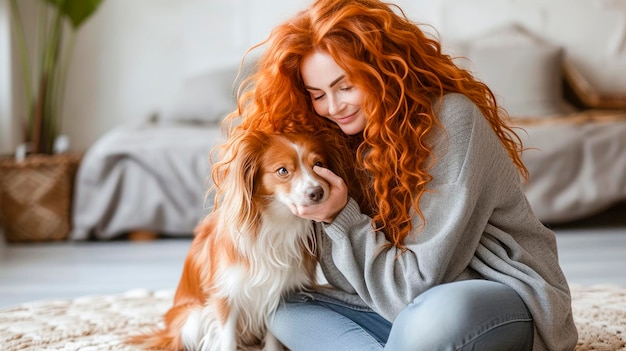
(282, 171)
(319, 164)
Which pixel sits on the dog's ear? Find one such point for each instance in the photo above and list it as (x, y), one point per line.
(338, 156)
(341, 159)
(240, 166)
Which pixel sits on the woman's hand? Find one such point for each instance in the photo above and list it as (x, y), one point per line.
(329, 209)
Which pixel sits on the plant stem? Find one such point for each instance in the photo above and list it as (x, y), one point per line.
(46, 104)
(62, 81)
(18, 27)
(38, 104)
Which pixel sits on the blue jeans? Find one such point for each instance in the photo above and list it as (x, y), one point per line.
(466, 315)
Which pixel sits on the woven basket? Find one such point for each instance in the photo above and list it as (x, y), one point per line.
(36, 197)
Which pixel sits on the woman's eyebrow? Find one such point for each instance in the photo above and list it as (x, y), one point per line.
(332, 84)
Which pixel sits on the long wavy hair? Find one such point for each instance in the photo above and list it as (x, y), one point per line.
(402, 72)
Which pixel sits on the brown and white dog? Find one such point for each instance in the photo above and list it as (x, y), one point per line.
(251, 249)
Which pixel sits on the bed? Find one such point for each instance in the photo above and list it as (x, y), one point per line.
(150, 177)
(154, 176)
(577, 164)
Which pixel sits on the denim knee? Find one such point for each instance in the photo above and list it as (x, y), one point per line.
(466, 315)
(316, 325)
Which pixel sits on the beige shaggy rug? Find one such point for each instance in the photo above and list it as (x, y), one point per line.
(96, 323)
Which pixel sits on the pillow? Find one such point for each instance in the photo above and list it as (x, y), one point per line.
(206, 98)
(523, 71)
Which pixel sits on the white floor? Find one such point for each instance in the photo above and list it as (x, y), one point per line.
(66, 270)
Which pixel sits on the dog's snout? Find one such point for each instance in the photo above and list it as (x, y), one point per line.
(315, 194)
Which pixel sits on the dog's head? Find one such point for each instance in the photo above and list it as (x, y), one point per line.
(286, 173)
(260, 170)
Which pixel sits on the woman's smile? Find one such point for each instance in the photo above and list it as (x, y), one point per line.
(347, 119)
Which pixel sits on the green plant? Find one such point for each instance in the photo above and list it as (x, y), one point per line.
(44, 82)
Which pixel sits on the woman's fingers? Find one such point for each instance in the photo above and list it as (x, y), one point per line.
(327, 210)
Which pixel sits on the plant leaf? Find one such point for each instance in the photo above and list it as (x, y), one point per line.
(78, 11)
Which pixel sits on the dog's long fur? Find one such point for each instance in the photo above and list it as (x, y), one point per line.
(251, 249)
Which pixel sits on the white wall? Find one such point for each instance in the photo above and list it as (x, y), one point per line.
(593, 32)
(131, 58)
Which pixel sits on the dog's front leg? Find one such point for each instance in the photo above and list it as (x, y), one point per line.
(270, 343)
(229, 332)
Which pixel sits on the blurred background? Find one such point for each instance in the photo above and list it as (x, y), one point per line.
(132, 56)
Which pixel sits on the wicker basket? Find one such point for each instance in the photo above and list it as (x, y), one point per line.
(36, 197)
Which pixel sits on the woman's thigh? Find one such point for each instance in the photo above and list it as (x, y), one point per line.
(465, 315)
(321, 325)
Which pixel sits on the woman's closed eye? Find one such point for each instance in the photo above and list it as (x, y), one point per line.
(318, 97)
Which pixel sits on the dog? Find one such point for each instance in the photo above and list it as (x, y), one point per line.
(251, 249)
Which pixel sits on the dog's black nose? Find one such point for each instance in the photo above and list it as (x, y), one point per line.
(315, 194)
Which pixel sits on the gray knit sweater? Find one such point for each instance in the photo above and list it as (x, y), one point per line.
(478, 225)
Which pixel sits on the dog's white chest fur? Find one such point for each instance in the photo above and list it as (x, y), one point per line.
(253, 288)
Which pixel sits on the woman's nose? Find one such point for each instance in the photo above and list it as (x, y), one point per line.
(334, 106)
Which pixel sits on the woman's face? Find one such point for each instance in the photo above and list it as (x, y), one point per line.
(332, 93)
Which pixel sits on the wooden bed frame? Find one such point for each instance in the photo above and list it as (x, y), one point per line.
(584, 92)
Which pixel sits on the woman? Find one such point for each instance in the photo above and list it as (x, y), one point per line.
(435, 246)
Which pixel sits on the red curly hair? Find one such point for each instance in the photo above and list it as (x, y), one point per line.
(401, 71)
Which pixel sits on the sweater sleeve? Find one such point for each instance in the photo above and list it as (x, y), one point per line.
(456, 207)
